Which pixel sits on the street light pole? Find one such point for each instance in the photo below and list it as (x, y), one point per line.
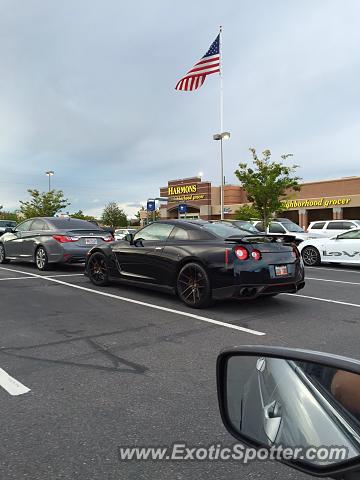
(49, 173)
(222, 136)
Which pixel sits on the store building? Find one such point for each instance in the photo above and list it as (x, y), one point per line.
(321, 200)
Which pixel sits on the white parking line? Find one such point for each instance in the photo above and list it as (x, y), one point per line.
(321, 299)
(333, 281)
(42, 276)
(334, 269)
(144, 304)
(11, 385)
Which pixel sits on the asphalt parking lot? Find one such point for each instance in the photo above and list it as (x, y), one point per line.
(118, 366)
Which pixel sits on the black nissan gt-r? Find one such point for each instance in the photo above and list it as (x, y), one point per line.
(200, 261)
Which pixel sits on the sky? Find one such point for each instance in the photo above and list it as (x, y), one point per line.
(87, 90)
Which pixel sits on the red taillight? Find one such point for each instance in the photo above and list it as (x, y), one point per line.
(108, 238)
(241, 253)
(256, 255)
(64, 238)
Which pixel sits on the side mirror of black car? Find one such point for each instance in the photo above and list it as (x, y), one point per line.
(301, 407)
(129, 237)
(9, 230)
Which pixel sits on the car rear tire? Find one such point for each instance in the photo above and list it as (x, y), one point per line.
(311, 256)
(193, 286)
(41, 259)
(3, 258)
(98, 269)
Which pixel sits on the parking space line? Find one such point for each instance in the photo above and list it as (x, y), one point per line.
(144, 304)
(333, 281)
(334, 269)
(11, 385)
(321, 299)
(41, 276)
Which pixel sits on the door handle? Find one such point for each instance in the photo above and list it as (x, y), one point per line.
(158, 248)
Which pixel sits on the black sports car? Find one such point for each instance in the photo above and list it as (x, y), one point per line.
(200, 261)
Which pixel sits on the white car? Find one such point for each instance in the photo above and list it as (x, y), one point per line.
(286, 226)
(120, 233)
(330, 228)
(343, 248)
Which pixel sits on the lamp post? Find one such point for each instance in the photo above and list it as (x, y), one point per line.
(49, 173)
(222, 136)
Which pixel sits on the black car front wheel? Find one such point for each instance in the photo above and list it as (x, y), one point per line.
(41, 259)
(3, 258)
(311, 256)
(97, 269)
(193, 286)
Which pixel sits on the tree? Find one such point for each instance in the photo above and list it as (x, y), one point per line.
(4, 215)
(267, 183)
(246, 212)
(44, 204)
(113, 216)
(80, 214)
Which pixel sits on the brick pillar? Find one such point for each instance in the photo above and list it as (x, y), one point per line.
(303, 218)
(337, 213)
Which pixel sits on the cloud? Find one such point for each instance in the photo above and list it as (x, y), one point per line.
(87, 90)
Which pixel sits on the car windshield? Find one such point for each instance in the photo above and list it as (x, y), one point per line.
(246, 226)
(292, 227)
(7, 223)
(71, 223)
(223, 230)
(357, 222)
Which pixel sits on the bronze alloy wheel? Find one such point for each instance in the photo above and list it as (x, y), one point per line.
(193, 286)
(98, 269)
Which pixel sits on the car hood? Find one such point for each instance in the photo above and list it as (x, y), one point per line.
(307, 236)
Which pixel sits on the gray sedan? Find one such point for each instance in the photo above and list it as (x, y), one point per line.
(46, 240)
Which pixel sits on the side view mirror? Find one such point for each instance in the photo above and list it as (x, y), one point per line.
(9, 230)
(129, 237)
(302, 407)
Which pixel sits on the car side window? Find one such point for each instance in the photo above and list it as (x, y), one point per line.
(334, 226)
(276, 228)
(24, 226)
(318, 226)
(354, 234)
(347, 225)
(259, 226)
(179, 234)
(155, 231)
(38, 225)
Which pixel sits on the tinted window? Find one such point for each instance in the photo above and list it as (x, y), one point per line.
(245, 226)
(24, 227)
(179, 234)
(276, 228)
(334, 226)
(292, 227)
(259, 226)
(155, 231)
(38, 225)
(347, 225)
(7, 223)
(66, 223)
(354, 234)
(223, 230)
(318, 225)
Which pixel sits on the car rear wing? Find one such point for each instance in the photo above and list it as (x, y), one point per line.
(263, 237)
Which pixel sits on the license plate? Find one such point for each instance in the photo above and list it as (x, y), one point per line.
(90, 241)
(281, 270)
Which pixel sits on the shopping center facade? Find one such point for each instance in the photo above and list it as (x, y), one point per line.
(318, 200)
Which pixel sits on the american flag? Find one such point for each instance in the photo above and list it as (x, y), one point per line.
(210, 63)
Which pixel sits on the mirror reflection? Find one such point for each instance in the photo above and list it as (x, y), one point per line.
(292, 403)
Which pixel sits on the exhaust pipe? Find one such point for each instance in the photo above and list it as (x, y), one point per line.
(248, 292)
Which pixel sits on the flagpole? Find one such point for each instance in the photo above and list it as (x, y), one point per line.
(221, 128)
